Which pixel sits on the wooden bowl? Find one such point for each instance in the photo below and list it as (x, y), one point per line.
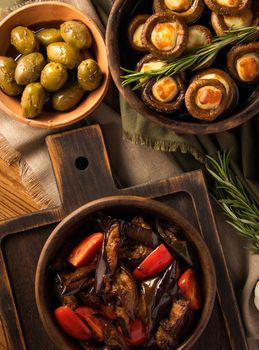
(120, 54)
(45, 13)
(118, 206)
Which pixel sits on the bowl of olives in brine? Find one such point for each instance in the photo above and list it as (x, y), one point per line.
(53, 65)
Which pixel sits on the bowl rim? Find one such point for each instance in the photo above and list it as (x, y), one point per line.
(34, 122)
(112, 45)
(151, 206)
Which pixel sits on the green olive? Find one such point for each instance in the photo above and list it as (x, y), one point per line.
(7, 80)
(89, 75)
(24, 40)
(28, 68)
(48, 36)
(53, 76)
(67, 98)
(77, 34)
(33, 99)
(64, 53)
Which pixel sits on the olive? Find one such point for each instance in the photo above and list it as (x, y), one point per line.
(68, 97)
(33, 99)
(28, 68)
(89, 75)
(64, 53)
(77, 34)
(24, 40)
(7, 80)
(48, 36)
(53, 76)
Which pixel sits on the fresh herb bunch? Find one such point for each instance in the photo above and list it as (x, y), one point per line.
(232, 197)
(197, 57)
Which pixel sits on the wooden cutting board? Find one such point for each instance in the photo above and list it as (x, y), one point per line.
(83, 173)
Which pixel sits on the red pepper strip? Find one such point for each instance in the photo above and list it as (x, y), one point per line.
(189, 287)
(72, 324)
(85, 252)
(138, 333)
(87, 314)
(155, 263)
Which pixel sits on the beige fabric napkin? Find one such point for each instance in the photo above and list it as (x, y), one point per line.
(149, 165)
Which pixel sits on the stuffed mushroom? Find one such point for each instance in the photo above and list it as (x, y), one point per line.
(135, 32)
(165, 35)
(228, 7)
(189, 10)
(207, 100)
(149, 63)
(243, 63)
(164, 95)
(222, 23)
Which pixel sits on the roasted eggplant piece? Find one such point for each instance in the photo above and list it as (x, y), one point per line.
(222, 23)
(125, 289)
(164, 95)
(112, 337)
(135, 32)
(228, 7)
(243, 63)
(206, 99)
(156, 296)
(138, 230)
(108, 258)
(171, 331)
(165, 35)
(189, 10)
(179, 247)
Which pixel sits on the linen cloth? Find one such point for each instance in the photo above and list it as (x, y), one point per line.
(150, 165)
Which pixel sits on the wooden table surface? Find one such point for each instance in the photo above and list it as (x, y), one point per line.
(14, 201)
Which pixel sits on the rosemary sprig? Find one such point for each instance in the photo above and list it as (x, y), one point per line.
(232, 197)
(197, 57)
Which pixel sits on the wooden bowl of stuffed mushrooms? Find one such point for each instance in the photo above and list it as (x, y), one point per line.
(125, 272)
(189, 66)
(53, 65)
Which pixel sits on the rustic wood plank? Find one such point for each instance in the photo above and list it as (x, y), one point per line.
(14, 197)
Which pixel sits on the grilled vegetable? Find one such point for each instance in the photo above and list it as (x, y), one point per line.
(188, 285)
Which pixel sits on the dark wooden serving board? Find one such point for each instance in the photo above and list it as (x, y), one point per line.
(22, 239)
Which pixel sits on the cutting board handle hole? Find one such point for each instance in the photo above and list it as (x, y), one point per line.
(81, 163)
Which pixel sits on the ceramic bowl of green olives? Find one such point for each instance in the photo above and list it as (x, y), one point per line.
(53, 65)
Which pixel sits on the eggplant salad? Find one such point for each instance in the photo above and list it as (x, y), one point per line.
(127, 283)
(174, 42)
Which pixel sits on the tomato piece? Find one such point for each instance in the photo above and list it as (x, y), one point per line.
(138, 333)
(87, 314)
(156, 262)
(108, 312)
(85, 252)
(72, 324)
(188, 285)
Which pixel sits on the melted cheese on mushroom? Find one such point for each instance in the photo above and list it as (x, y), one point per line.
(152, 65)
(247, 67)
(196, 38)
(165, 89)
(217, 77)
(164, 36)
(178, 5)
(241, 21)
(229, 3)
(137, 36)
(208, 97)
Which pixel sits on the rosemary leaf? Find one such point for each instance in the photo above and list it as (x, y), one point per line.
(234, 200)
(197, 57)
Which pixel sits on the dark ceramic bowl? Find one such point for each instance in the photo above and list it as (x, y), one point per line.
(119, 206)
(120, 54)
